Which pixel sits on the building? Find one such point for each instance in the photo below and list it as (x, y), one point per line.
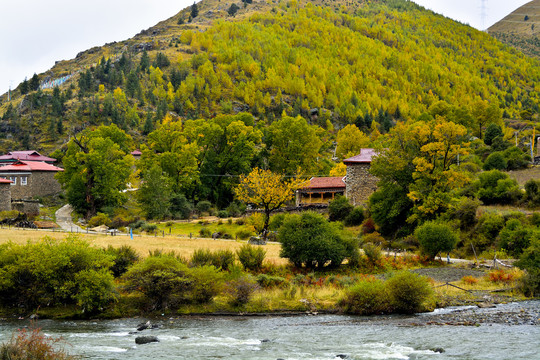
(320, 190)
(360, 184)
(30, 155)
(31, 178)
(5, 194)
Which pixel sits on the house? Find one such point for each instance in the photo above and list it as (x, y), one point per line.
(360, 184)
(30, 155)
(136, 154)
(320, 190)
(5, 194)
(31, 178)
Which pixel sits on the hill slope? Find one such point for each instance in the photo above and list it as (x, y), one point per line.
(331, 62)
(520, 29)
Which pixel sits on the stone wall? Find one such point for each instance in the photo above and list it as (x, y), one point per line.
(38, 183)
(360, 183)
(5, 197)
(28, 207)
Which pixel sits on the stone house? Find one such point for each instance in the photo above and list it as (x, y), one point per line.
(31, 179)
(360, 184)
(5, 194)
(30, 155)
(320, 190)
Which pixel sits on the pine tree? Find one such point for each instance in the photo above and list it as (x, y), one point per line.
(194, 10)
(34, 82)
(24, 87)
(145, 61)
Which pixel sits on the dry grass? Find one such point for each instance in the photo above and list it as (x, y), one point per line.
(522, 176)
(143, 244)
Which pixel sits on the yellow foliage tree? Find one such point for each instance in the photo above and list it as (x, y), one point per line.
(350, 140)
(266, 190)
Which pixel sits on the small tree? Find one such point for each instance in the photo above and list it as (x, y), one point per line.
(266, 190)
(435, 237)
(194, 10)
(339, 209)
(233, 9)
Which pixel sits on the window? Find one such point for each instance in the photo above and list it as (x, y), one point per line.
(24, 180)
(14, 179)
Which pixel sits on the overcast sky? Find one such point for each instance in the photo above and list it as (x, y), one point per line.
(36, 33)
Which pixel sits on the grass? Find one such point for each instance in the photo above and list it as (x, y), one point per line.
(143, 244)
(522, 176)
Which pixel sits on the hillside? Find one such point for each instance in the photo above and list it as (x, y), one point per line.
(520, 29)
(331, 62)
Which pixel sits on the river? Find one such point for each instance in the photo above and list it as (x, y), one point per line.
(302, 337)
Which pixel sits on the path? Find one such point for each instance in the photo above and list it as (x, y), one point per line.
(63, 219)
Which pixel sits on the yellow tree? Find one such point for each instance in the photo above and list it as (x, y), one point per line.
(266, 190)
(350, 140)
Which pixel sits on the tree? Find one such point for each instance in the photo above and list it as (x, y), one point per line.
(194, 10)
(267, 190)
(350, 140)
(34, 82)
(145, 61)
(233, 9)
(309, 239)
(493, 131)
(24, 87)
(154, 193)
(97, 166)
(435, 238)
(339, 209)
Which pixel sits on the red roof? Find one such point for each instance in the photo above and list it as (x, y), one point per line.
(364, 157)
(30, 155)
(325, 183)
(136, 153)
(5, 181)
(29, 166)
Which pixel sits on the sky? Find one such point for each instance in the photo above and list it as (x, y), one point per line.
(36, 33)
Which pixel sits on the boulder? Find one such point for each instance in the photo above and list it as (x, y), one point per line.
(145, 339)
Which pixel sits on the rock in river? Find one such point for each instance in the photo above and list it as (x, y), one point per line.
(145, 339)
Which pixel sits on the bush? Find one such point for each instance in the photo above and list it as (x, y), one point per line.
(234, 210)
(435, 237)
(516, 159)
(495, 187)
(33, 344)
(530, 261)
(367, 297)
(408, 292)
(123, 257)
(500, 276)
(180, 207)
(267, 281)
(244, 234)
(240, 290)
(532, 192)
(205, 232)
(276, 221)
(470, 280)
(515, 237)
(221, 259)
(373, 253)
(339, 209)
(356, 217)
(495, 161)
(222, 214)
(99, 219)
(52, 272)
(138, 224)
(203, 206)
(309, 239)
(149, 228)
(251, 257)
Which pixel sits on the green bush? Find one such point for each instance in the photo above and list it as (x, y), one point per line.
(222, 214)
(251, 257)
(495, 161)
(268, 281)
(516, 237)
(489, 225)
(244, 234)
(435, 238)
(203, 206)
(221, 259)
(207, 283)
(516, 159)
(408, 292)
(123, 257)
(138, 224)
(373, 253)
(309, 239)
(495, 187)
(276, 221)
(149, 228)
(205, 232)
(530, 261)
(355, 217)
(180, 207)
(532, 192)
(99, 219)
(234, 210)
(240, 290)
(55, 273)
(339, 209)
(367, 297)
(492, 131)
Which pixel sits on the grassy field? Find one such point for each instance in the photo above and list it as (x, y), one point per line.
(522, 176)
(143, 244)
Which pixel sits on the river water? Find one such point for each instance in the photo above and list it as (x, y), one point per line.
(301, 337)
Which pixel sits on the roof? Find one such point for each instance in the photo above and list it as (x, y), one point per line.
(325, 183)
(29, 166)
(136, 153)
(364, 157)
(5, 181)
(29, 155)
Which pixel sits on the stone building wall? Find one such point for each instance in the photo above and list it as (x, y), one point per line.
(38, 183)
(5, 197)
(360, 183)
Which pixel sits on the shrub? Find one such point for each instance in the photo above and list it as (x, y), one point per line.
(251, 257)
(95, 289)
(408, 292)
(244, 234)
(99, 219)
(492, 131)
(373, 253)
(495, 161)
(470, 280)
(149, 228)
(268, 281)
(516, 159)
(435, 237)
(532, 192)
(204, 206)
(222, 214)
(367, 297)
(138, 224)
(207, 283)
(180, 207)
(33, 344)
(234, 210)
(205, 232)
(276, 221)
(515, 237)
(240, 290)
(339, 209)
(221, 259)
(500, 276)
(309, 239)
(356, 217)
(530, 261)
(495, 187)
(123, 257)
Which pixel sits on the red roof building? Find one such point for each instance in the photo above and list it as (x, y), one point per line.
(360, 182)
(31, 178)
(320, 190)
(30, 155)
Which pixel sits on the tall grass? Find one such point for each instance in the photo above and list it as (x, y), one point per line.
(33, 345)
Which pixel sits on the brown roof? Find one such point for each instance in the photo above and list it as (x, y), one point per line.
(364, 157)
(325, 183)
(29, 166)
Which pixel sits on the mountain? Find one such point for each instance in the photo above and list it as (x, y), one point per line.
(520, 29)
(370, 63)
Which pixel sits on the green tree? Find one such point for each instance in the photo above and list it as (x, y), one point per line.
(233, 9)
(154, 193)
(34, 82)
(339, 209)
(97, 167)
(493, 131)
(495, 161)
(24, 87)
(145, 61)
(194, 10)
(435, 238)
